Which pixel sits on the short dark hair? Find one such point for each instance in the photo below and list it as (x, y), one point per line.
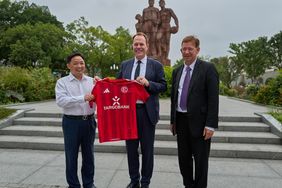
(191, 38)
(69, 58)
(141, 34)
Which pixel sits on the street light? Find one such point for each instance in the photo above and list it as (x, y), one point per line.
(114, 67)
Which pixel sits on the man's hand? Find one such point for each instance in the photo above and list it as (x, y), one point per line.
(88, 97)
(143, 81)
(172, 129)
(207, 133)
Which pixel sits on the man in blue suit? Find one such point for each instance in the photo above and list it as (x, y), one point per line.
(150, 74)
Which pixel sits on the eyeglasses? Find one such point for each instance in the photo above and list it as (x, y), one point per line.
(187, 49)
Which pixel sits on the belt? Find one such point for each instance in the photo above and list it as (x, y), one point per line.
(85, 117)
(139, 105)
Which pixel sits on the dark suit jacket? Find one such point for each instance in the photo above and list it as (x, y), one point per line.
(156, 77)
(203, 97)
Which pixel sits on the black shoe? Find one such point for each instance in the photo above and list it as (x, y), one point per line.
(133, 185)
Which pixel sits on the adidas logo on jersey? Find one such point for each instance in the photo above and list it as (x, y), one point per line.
(107, 91)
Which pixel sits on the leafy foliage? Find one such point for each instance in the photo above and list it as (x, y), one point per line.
(32, 45)
(168, 76)
(227, 68)
(23, 85)
(5, 112)
(101, 49)
(253, 56)
(275, 43)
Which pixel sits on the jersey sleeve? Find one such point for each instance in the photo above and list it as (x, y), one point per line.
(94, 93)
(142, 94)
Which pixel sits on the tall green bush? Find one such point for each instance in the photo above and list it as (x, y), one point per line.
(271, 93)
(168, 76)
(41, 86)
(23, 85)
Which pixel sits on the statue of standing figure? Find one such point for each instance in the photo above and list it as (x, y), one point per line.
(156, 25)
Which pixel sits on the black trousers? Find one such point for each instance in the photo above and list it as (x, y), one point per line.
(146, 134)
(191, 152)
(79, 133)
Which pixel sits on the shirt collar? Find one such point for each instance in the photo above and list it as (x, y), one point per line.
(144, 60)
(71, 77)
(191, 66)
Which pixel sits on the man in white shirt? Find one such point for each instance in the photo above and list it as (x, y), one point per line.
(73, 93)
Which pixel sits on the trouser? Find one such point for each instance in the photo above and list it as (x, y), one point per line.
(191, 150)
(79, 133)
(146, 136)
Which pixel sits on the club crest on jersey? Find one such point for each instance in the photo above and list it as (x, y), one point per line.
(124, 89)
(106, 90)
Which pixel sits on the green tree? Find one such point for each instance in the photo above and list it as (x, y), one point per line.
(13, 13)
(228, 70)
(253, 55)
(38, 45)
(275, 43)
(100, 48)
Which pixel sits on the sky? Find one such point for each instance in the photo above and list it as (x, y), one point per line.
(217, 23)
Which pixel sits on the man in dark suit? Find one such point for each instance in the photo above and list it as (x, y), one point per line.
(194, 112)
(150, 74)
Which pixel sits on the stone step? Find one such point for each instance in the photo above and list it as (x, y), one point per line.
(162, 124)
(255, 151)
(161, 134)
(162, 117)
(229, 126)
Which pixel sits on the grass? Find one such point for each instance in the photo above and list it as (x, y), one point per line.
(5, 112)
(277, 115)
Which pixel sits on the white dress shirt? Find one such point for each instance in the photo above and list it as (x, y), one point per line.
(181, 83)
(143, 65)
(70, 94)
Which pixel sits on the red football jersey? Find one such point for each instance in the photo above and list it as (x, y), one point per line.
(116, 108)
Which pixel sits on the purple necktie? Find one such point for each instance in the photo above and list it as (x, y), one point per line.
(184, 92)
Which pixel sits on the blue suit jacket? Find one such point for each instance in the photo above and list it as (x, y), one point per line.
(156, 77)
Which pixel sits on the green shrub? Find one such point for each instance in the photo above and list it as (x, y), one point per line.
(42, 85)
(240, 90)
(5, 112)
(22, 85)
(277, 115)
(271, 93)
(168, 76)
(14, 82)
(224, 90)
(251, 91)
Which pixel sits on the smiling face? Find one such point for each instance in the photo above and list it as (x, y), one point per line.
(189, 52)
(140, 46)
(77, 66)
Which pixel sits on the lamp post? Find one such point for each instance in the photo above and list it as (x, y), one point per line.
(114, 67)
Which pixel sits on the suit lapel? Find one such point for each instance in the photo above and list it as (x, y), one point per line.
(178, 75)
(195, 75)
(129, 69)
(149, 68)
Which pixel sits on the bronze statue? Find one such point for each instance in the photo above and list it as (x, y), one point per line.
(150, 23)
(164, 32)
(139, 25)
(155, 24)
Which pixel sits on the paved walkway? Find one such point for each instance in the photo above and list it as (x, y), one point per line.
(227, 107)
(45, 169)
